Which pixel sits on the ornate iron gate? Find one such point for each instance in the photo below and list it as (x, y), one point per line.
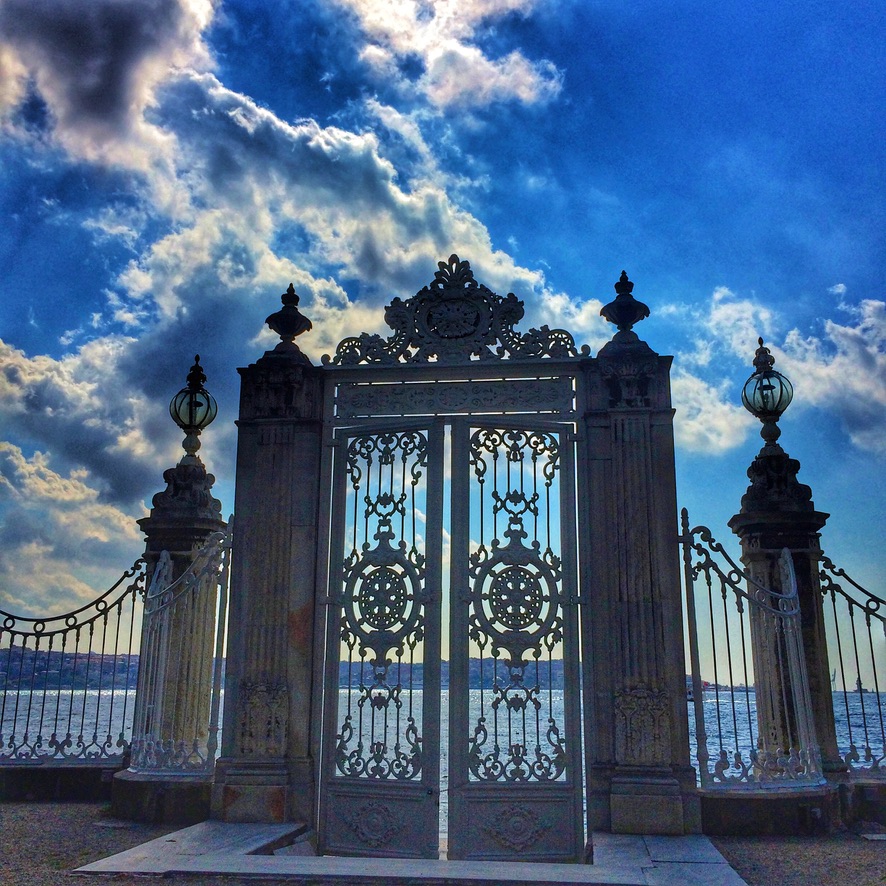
(505, 405)
(382, 775)
(515, 771)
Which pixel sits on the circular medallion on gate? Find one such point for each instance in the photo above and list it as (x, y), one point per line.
(383, 598)
(515, 598)
(455, 318)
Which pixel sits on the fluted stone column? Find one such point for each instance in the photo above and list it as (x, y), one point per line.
(777, 512)
(184, 515)
(639, 775)
(265, 772)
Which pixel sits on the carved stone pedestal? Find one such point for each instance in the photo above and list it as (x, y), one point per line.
(640, 780)
(174, 707)
(250, 790)
(644, 805)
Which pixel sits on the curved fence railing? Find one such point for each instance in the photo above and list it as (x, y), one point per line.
(750, 696)
(855, 622)
(181, 671)
(68, 681)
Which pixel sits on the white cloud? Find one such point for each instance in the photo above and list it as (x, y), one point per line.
(13, 80)
(844, 372)
(89, 411)
(456, 71)
(738, 322)
(707, 419)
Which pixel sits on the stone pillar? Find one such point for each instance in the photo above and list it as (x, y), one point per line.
(777, 512)
(266, 772)
(639, 775)
(183, 516)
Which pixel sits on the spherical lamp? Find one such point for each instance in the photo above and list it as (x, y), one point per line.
(193, 408)
(766, 394)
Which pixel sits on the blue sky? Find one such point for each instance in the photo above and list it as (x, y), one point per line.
(167, 167)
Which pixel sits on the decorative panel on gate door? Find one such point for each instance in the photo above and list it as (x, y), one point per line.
(515, 785)
(380, 784)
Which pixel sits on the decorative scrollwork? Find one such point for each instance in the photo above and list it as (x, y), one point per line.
(374, 823)
(516, 827)
(515, 605)
(382, 602)
(453, 320)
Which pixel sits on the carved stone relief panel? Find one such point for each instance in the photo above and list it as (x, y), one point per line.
(642, 727)
(264, 720)
(629, 380)
(511, 396)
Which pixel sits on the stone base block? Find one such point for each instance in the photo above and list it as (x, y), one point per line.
(80, 783)
(250, 791)
(646, 806)
(771, 812)
(159, 799)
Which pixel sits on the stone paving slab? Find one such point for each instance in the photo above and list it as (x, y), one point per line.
(216, 848)
(689, 874)
(692, 848)
(209, 839)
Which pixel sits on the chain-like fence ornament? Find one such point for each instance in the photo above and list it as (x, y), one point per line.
(184, 619)
(857, 658)
(453, 320)
(67, 679)
(785, 751)
(382, 601)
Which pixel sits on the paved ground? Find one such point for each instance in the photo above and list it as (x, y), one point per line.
(42, 842)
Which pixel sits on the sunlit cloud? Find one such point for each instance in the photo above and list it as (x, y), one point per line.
(455, 71)
(707, 419)
(97, 65)
(56, 534)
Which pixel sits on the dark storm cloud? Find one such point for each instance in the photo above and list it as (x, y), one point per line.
(95, 61)
(79, 409)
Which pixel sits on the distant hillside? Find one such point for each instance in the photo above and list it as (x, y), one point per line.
(64, 670)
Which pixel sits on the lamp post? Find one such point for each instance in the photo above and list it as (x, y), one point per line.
(172, 704)
(777, 512)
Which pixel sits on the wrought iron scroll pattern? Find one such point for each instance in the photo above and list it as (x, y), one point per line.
(176, 720)
(67, 680)
(856, 626)
(383, 597)
(453, 320)
(515, 604)
(759, 724)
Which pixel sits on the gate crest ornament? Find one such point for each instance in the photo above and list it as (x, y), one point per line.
(454, 320)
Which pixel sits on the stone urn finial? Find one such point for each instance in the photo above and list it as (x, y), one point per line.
(288, 322)
(625, 311)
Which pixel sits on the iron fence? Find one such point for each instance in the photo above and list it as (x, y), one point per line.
(855, 623)
(69, 680)
(753, 719)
